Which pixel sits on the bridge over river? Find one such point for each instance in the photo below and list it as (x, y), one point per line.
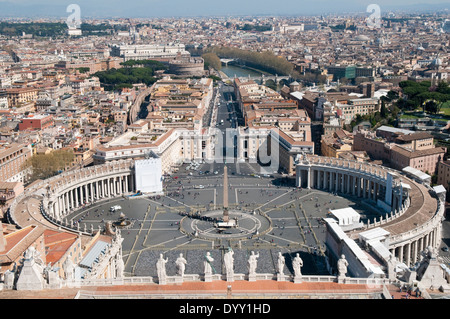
(262, 78)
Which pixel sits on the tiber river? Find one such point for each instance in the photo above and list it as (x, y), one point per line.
(232, 70)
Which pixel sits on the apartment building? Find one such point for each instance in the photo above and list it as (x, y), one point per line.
(180, 103)
(3, 100)
(12, 158)
(337, 143)
(443, 174)
(18, 96)
(36, 122)
(425, 160)
(174, 146)
(358, 106)
(158, 52)
(415, 150)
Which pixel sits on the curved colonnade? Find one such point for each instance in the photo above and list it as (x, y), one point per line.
(410, 211)
(61, 195)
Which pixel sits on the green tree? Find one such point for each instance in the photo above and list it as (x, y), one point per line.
(46, 165)
(431, 106)
(212, 60)
(271, 84)
(83, 69)
(383, 110)
(265, 61)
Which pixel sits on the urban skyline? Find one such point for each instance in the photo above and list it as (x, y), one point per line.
(197, 149)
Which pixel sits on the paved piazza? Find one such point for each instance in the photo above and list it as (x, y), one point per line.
(272, 214)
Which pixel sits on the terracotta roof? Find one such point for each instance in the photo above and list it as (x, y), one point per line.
(56, 244)
(418, 153)
(17, 242)
(414, 136)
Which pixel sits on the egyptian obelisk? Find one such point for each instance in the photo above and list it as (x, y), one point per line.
(225, 194)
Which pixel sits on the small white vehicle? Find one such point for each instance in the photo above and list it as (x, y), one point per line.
(115, 208)
(199, 186)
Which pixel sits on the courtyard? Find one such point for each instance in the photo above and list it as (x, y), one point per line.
(272, 216)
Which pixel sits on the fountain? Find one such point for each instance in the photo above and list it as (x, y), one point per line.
(122, 221)
(225, 223)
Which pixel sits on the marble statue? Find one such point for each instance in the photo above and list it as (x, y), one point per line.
(252, 263)
(431, 252)
(161, 268)
(52, 277)
(297, 263)
(8, 280)
(342, 265)
(391, 263)
(69, 269)
(207, 264)
(228, 261)
(119, 266)
(32, 253)
(280, 264)
(181, 265)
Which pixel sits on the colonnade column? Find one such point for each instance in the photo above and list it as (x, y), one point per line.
(330, 181)
(92, 192)
(57, 210)
(66, 203)
(61, 205)
(111, 185)
(358, 186)
(353, 185)
(400, 254)
(308, 178)
(105, 188)
(414, 251)
(72, 206)
(408, 254)
(348, 183)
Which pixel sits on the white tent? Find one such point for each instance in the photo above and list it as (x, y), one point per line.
(346, 216)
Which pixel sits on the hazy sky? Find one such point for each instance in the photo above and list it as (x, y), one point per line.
(165, 8)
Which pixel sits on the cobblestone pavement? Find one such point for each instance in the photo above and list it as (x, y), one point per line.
(156, 222)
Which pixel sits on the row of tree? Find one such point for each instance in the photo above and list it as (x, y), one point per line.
(253, 27)
(387, 115)
(212, 60)
(47, 165)
(415, 95)
(419, 94)
(265, 61)
(44, 29)
(52, 29)
(116, 79)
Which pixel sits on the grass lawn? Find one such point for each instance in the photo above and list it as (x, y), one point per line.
(445, 108)
(409, 116)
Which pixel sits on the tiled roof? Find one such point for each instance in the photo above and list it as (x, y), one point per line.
(418, 153)
(57, 243)
(17, 242)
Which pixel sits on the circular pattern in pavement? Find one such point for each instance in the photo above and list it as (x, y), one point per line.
(207, 225)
